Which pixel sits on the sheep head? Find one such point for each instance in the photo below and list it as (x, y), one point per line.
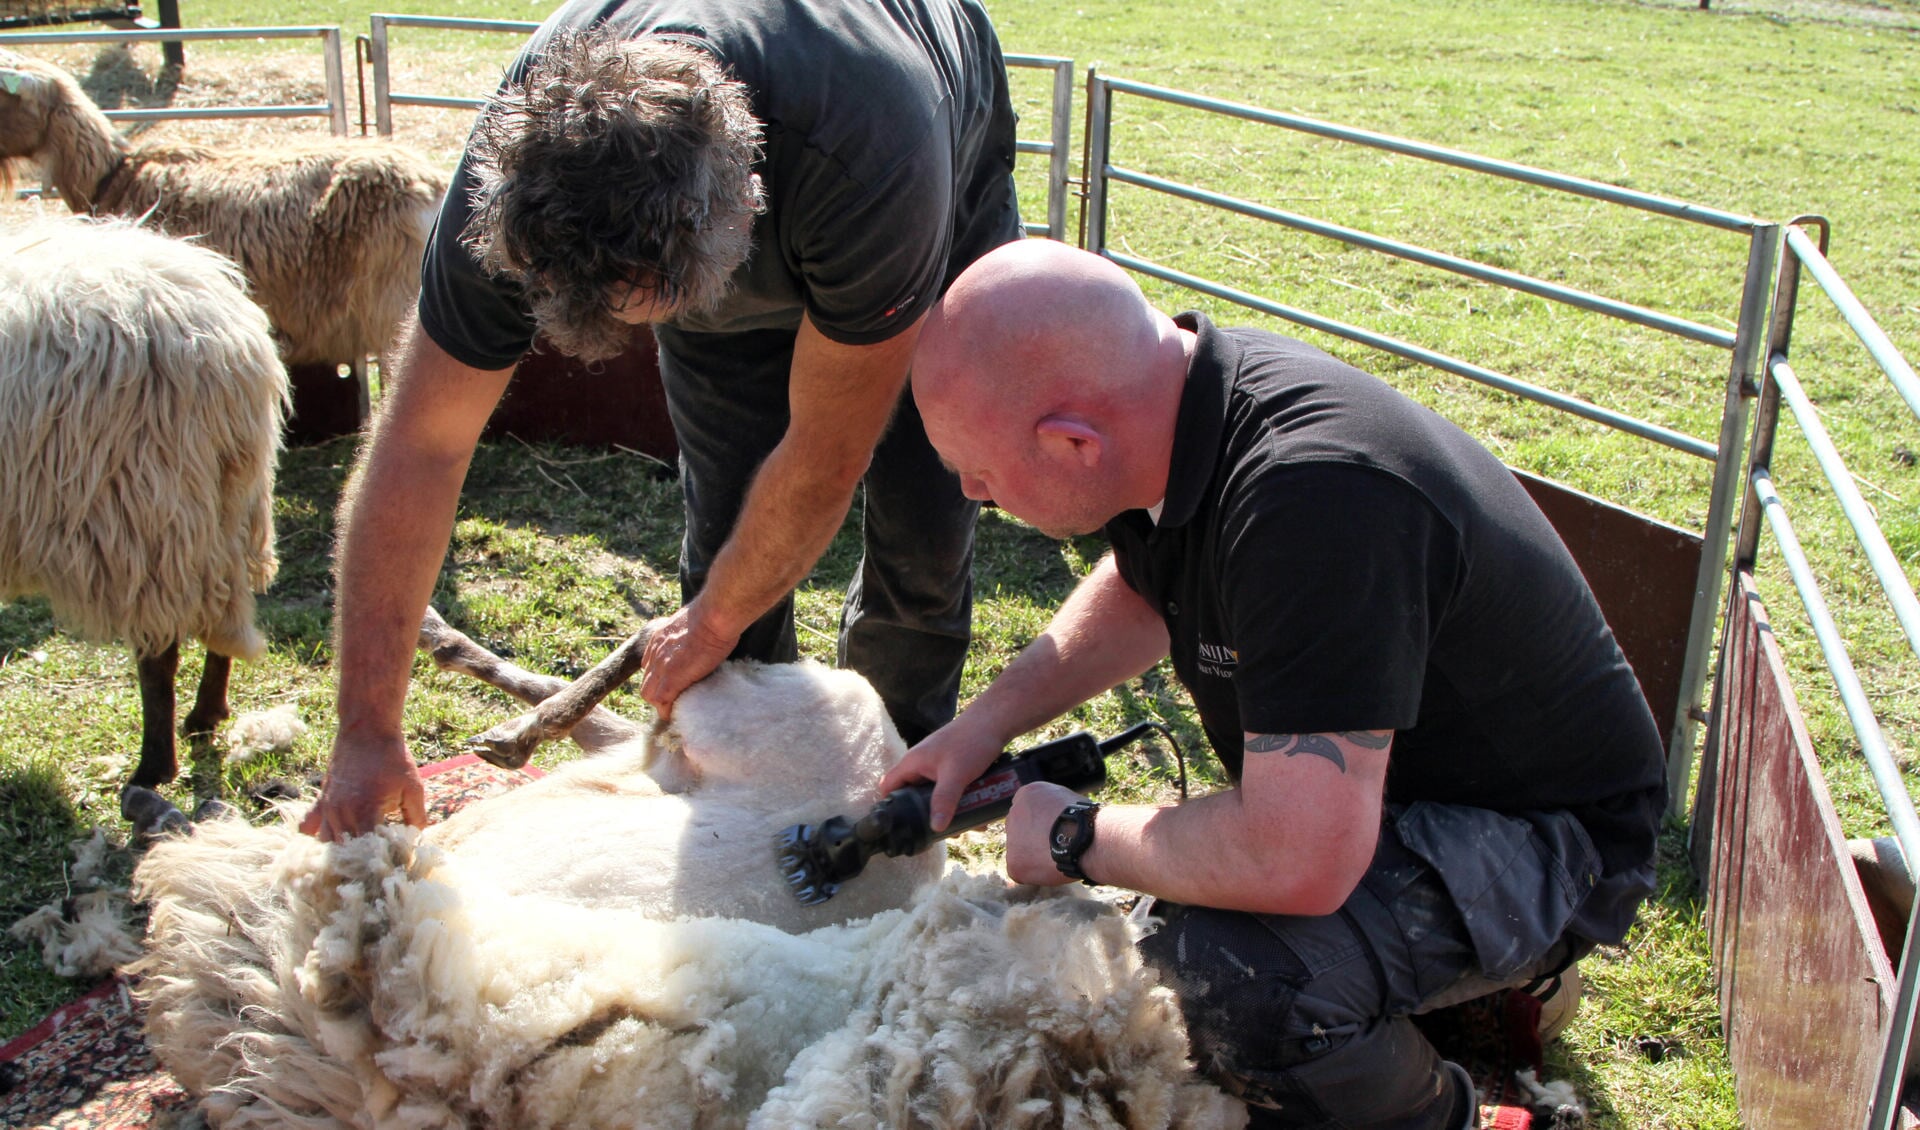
(27, 95)
(46, 117)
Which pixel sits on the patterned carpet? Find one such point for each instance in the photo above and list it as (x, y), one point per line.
(87, 1066)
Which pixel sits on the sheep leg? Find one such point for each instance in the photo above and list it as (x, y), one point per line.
(150, 813)
(157, 762)
(511, 743)
(453, 650)
(210, 701)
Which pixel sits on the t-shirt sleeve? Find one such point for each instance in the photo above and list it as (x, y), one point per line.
(1333, 578)
(480, 319)
(873, 254)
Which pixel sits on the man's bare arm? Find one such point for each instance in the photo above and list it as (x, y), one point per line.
(1103, 635)
(841, 398)
(1294, 838)
(396, 517)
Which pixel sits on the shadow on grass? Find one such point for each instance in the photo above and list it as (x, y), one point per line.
(296, 611)
(1012, 557)
(24, 625)
(37, 823)
(116, 81)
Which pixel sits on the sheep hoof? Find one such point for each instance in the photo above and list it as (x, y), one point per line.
(509, 744)
(151, 814)
(213, 808)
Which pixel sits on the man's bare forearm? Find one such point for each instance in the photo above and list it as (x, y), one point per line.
(1101, 636)
(396, 518)
(790, 515)
(841, 398)
(396, 523)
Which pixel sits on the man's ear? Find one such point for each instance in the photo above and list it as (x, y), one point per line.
(1069, 437)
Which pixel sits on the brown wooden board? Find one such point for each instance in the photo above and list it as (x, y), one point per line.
(554, 398)
(1641, 571)
(1806, 991)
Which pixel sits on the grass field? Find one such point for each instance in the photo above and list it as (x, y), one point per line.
(1765, 109)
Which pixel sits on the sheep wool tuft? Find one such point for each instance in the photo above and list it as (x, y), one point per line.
(264, 731)
(1557, 1098)
(84, 937)
(90, 859)
(612, 946)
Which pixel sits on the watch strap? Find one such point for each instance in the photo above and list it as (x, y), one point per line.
(1071, 836)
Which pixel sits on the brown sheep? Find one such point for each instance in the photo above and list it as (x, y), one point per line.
(329, 233)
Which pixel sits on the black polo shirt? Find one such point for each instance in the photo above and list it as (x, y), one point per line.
(888, 167)
(1333, 556)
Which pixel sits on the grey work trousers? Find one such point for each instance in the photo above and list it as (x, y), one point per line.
(1308, 1019)
(909, 608)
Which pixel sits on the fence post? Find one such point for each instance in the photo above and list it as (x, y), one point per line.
(1093, 221)
(1749, 347)
(382, 81)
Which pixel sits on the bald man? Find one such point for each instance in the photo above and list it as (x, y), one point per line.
(1445, 778)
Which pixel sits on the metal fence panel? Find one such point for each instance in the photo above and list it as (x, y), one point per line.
(1055, 147)
(1745, 344)
(334, 109)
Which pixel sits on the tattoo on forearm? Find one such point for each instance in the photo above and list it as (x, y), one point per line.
(1319, 745)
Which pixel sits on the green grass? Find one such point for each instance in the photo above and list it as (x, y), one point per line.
(1770, 109)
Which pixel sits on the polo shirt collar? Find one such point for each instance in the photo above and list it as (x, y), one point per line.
(1202, 420)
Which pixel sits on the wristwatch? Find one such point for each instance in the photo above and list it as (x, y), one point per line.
(1071, 837)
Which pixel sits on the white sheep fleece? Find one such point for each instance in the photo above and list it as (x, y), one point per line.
(583, 952)
(140, 409)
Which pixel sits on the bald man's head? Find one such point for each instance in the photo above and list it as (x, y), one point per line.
(1048, 381)
(1039, 321)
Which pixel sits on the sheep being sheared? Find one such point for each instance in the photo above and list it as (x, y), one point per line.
(613, 946)
(329, 233)
(140, 410)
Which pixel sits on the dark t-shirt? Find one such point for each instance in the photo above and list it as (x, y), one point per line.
(887, 167)
(1332, 556)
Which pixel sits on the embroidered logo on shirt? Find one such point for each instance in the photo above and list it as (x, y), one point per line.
(1218, 660)
(904, 302)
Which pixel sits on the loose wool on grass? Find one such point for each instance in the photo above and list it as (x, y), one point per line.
(140, 410)
(264, 731)
(330, 233)
(612, 946)
(85, 934)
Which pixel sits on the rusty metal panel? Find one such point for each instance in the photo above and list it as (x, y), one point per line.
(554, 398)
(1806, 991)
(1641, 571)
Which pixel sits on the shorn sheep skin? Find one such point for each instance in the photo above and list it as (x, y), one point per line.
(612, 946)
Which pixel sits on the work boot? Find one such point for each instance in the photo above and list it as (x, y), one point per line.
(1466, 1101)
(1559, 998)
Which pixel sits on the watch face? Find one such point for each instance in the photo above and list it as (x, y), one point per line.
(1073, 828)
(1072, 835)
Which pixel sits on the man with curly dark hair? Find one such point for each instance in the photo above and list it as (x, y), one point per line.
(782, 189)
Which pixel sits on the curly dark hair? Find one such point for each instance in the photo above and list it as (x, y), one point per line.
(616, 168)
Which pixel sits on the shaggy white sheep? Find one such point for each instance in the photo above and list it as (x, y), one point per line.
(140, 411)
(329, 233)
(612, 946)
